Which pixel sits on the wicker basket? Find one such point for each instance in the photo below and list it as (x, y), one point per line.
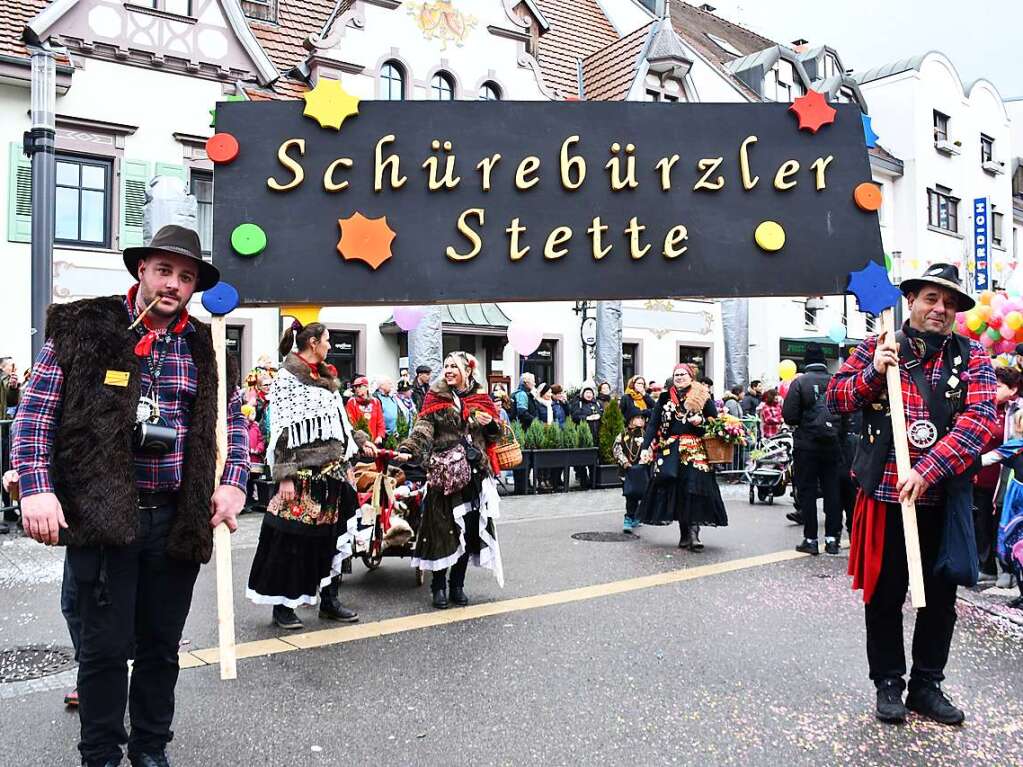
(509, 453)
(718, 451)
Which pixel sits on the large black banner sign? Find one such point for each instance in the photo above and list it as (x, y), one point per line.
(539, 201)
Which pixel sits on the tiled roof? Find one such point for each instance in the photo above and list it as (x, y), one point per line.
(694, 25)
(296, 20)
(14, 15)
(609, 73)
(283, 88)
(577, 30)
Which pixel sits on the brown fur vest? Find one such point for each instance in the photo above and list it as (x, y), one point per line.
(92, 464)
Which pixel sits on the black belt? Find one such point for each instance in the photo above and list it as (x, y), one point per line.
(148, 500)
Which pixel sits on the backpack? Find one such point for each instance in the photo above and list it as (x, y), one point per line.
(818, 423)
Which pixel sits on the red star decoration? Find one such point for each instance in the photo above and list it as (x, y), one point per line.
(813, 111)
(365, 239)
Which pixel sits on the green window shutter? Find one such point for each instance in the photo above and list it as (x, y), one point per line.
(134, 179)
(176, 171)
(19, 196)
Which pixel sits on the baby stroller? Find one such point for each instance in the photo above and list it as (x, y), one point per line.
(391, 498)
(769, 471)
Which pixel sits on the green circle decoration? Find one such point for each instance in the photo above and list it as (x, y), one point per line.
(248, 240)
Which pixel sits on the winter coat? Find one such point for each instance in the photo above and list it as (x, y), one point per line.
(561, 412)
(770, 419)
(257, 445)
(583, 412)
(525, 406)
(544, 410)
(800, 400)
(289, 461)
(370, 410)
(749, 403)
(630, 409)
(443, 429)
(732, 405)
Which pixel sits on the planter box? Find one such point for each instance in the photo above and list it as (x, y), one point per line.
(562, 459)
(607, 476)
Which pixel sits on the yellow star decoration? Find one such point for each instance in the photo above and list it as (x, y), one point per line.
(330, 104)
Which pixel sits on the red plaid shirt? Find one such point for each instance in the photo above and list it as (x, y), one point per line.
(858, 384)
(40, 412)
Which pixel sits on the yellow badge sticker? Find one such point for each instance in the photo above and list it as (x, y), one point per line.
(116, 378)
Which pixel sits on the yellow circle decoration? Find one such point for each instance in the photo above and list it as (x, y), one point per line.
(770, 236)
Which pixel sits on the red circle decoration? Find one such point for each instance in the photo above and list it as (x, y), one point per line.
(221, 148)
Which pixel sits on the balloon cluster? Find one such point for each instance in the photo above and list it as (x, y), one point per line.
(996, 322)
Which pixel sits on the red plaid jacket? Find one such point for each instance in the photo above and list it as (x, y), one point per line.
(858, 384)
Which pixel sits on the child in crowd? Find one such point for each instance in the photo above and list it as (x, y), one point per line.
(627, 448)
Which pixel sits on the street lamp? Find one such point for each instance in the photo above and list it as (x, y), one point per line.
(587, 332)
(39, 144)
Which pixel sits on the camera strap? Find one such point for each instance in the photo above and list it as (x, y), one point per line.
(149, 404)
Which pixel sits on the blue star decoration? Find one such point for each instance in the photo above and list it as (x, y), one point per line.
(868, 132)
(873, 290)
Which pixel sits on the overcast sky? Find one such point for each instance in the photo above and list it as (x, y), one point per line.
(983, 38)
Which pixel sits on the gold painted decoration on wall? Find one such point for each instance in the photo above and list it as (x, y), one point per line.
(440, 20)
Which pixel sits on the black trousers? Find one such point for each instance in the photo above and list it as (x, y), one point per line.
(813, 467)
(131, 599)
(847, 490)
(985, 527)
(457, 570)
(932, 635)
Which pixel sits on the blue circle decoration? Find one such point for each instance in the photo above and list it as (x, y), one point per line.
(221, 299)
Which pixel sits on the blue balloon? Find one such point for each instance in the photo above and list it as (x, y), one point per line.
(221, 299)
(837, 333)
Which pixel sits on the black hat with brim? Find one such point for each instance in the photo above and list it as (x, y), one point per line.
(944, 276)
(180, 241)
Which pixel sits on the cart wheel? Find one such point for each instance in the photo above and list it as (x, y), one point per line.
(770, 500)
(420, 577)
(752, 496)
(372, 561)
(764, 493)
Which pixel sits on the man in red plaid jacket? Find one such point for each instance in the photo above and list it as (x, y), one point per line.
(948, 387)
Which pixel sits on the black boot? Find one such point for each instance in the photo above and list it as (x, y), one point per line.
(685, 534)
(285, 618)
(889, 702)
(458, 596)
(331, 608)
(928, 700)
(149, 760)
(694, 539)
(440, 598)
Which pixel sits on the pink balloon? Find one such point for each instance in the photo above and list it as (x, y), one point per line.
(524, 338)
(986, 341)
(1007, 333)
(998, 302)
(408, 317)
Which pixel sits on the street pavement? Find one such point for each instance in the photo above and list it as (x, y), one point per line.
(716, 658)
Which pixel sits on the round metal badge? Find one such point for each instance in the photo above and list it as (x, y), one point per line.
(147, 411)
(922, 434)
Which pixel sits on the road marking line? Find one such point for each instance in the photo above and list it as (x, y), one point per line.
(332, 636)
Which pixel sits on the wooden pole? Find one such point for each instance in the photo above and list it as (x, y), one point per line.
(902, 462)
(221, 535)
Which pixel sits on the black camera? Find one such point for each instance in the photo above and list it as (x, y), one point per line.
(154, 438)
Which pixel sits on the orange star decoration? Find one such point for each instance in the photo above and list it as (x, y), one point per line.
(330, 104)
(813, 111)
(365, 239)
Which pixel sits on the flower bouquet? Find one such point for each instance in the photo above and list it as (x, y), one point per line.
(721, 435)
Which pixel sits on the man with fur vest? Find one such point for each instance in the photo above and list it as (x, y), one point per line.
(115, 445)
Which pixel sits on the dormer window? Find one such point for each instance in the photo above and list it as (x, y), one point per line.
(664, 88)
(781, 83)
(830, 66)
(260, 10)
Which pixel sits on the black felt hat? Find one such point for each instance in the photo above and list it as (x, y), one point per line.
(180, 241)
(942, 275)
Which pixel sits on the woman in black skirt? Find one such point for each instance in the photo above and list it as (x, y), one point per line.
(305, 538)
(456, 438)
(684, 488)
